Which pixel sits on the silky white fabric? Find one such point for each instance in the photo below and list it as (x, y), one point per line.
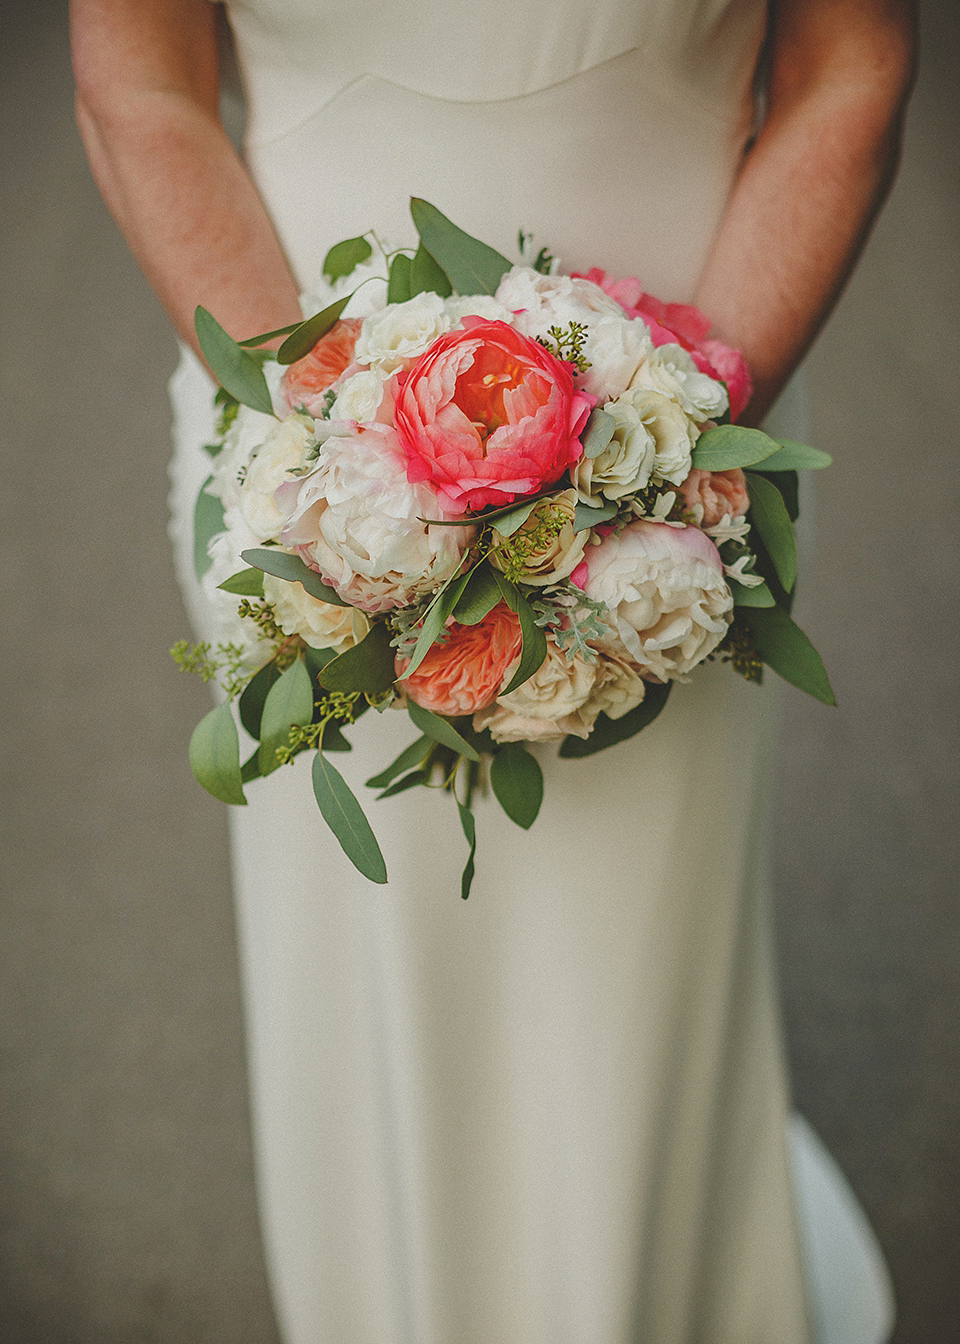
(554, 1114)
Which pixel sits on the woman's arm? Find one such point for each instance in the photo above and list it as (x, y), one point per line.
(821, 167)
(146, 74)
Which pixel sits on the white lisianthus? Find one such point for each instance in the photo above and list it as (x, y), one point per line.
(356, 519)
(669, 369)
(546, 547)
(358, 397)
(322, 625)
(280, 453)
(401, 332)
(666, 592)
(549, 705)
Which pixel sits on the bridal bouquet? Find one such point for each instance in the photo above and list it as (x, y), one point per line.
(511, 503)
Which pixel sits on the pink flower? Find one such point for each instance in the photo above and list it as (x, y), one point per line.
(486, 415)
(715, 493)
(466, 672)
(305, 382)
(682, 324)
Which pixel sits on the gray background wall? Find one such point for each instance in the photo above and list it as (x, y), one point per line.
(127, 1212)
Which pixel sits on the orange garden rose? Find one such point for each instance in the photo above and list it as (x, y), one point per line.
(467, 671)
(306, 381)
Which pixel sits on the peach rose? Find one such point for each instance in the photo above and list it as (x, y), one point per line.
(466, 672)
(711, 494)
(487, 415)
(305, 382)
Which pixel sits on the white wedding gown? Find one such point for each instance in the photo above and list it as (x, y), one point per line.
(556, 1113)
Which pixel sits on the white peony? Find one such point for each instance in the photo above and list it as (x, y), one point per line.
(666, 592)
(280, 453)
(401, 332)
(322, 625)
(670, 370)
(355, 518)
(549, 705)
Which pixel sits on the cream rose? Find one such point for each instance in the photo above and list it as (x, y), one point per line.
(549, 705)
(670, 370)
(545, 548)
(322, 625)
(619, 686)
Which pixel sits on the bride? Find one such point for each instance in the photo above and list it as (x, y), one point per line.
(556, 1113)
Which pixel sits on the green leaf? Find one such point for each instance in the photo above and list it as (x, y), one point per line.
(407, 782)
(254, 694)
(250, 770)
(515, 516)
(434, 621)
(473, 267)
(469, 824)
(758, 596)
(345, 257)
(598, 432)
(479, 597)
(270, 335)
(608, 732)
(398, 285)
(282, 565)
(410, 756)
(784, 647)
(426, 275)
(517, 782)
(245, 583)
(585, 515)
(344, 815)
(369, 666)
(787, 482)
(440, 730)
(207, 523)
(232, 367)
(302, 341)
(215, 755)
(534, 649)
(289, 701)
(730, 446)
(768, 514)
(797, 457)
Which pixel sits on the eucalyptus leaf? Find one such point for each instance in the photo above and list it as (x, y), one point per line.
(479, 597)
(282, 565)
(208, 522)
(473, 267)
(440, 730)
(797, 457)
(426, 275)
(398, 284)
(515, 517)
(517, 783)
(406, 782)
(409, 757)
(250, 770)
(608, 732)
(434, 621)
(784, 647)
(245, 583)
(306, 335)
(787, 482)
(333, 738)
(369, 666)
(254, 694)
(317, 659)
(215, 755)
(344, 258)
(757, 596)
(598, 432)
(730, 446)
(289, 701)
(585, 515)
(768, 514)
(469, 824)
(344, 815)
(534, 649)
(231, 365)
(270, 335)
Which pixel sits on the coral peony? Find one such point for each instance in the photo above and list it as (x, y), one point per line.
(466, 672)
(306, 381)
(487, 415)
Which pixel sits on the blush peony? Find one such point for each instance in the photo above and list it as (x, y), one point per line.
(465, 673)
(487, 415)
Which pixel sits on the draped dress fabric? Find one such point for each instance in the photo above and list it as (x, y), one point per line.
(556, 1113)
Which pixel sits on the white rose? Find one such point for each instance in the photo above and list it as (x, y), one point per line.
(322, 625)
(546, 547)
(356, 519)
(549, 705)
(616, 348)
(401, 332)
(666, 593)
(459, 306)
(280, 453)
(359, 397)
(619, 686)
(670, 370)
(625, 465)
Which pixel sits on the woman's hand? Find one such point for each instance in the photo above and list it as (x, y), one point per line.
(812, 183)
(146, 74)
